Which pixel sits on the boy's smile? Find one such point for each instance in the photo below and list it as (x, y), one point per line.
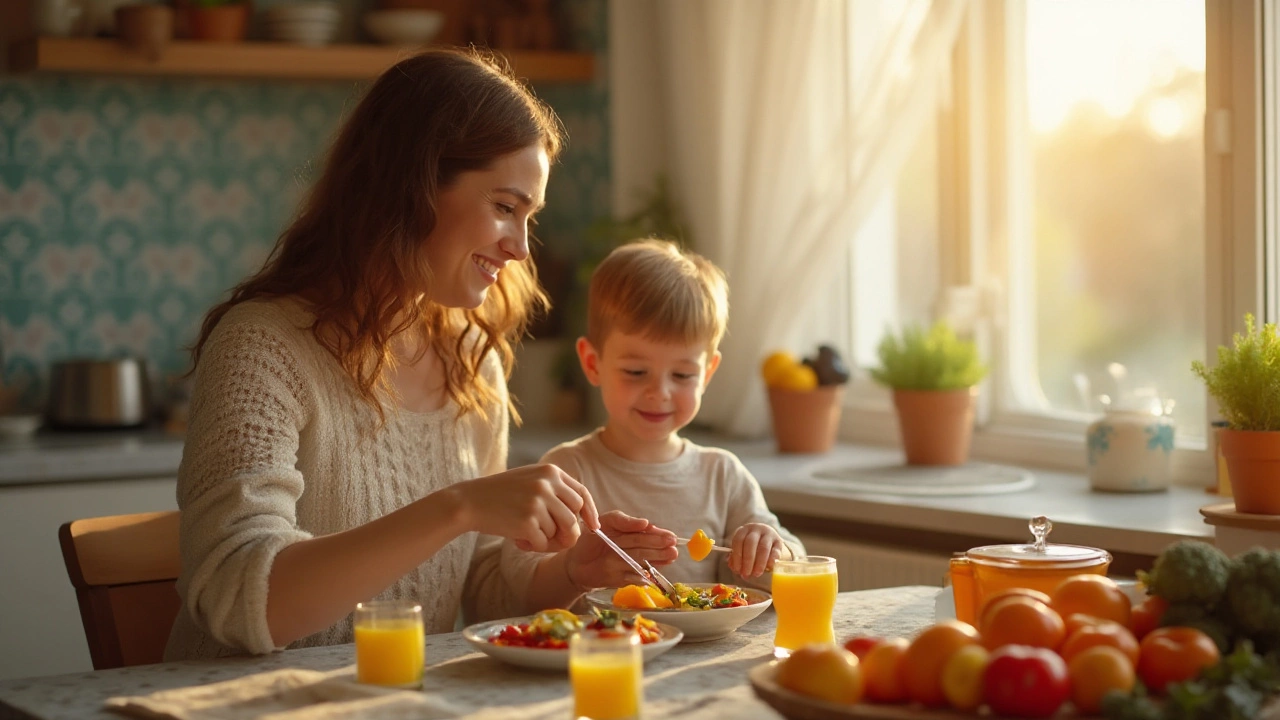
(650, 389)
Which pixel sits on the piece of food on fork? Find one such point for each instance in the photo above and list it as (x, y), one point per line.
(700, 546)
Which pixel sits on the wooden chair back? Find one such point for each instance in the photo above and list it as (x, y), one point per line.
(125, 570)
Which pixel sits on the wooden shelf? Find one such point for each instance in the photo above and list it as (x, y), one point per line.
(260, 60)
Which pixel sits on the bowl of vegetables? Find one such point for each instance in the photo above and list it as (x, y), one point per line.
(706, 611)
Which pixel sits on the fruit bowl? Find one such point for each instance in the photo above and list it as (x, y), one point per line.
(697, 625)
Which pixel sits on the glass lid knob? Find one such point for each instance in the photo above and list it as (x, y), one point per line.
(1040, 529)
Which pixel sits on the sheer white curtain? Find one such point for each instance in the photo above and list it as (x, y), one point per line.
(786, 121)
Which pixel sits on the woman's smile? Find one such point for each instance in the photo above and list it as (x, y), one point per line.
(488, 268)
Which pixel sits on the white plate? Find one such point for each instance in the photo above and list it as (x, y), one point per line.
(546, 658)
(698, 625)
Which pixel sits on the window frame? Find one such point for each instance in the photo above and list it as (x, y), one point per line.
(979, 182)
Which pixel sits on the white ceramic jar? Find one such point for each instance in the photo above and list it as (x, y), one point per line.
(1131, 449)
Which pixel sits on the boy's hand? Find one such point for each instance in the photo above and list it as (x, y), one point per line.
(755, 546)
(592, 564)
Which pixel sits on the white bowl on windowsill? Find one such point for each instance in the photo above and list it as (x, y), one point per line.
(19, 426)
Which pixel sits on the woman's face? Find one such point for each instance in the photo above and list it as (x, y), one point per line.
(482, 224)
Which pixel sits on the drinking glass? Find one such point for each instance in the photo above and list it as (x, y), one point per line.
(804, 597)
(390, 643)
(606, 669)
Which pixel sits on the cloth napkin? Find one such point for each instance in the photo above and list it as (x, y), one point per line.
(287, 694)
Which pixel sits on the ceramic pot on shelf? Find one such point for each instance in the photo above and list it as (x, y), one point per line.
(1131, 448)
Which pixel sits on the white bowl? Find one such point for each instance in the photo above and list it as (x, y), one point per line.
(17, 426)
(698, 625)
(546, 658)
(403, 26)
(314, 11)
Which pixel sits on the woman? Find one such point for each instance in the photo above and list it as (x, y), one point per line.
(346, 395)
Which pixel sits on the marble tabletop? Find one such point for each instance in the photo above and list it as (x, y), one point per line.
(691, 681)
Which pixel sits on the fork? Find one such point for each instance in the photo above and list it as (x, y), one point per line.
(663, 583)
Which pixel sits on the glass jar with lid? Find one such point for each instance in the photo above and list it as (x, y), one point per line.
(981, 572)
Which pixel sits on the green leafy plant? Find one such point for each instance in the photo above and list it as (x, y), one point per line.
(935, 359)
(1246, 380)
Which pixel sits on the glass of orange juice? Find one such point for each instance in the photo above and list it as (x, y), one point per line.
(606, 670)
(804, 597)
(391, 646)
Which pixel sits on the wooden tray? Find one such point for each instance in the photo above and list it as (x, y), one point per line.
(799, 707)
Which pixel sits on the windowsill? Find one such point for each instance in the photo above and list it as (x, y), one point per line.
(1138, 523)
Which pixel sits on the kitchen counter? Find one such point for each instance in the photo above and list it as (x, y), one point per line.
(51, 457)
(1136, 523)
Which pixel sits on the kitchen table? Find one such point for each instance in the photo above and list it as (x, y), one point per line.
(691, 681)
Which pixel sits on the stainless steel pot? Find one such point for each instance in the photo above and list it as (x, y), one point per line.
(86, 393)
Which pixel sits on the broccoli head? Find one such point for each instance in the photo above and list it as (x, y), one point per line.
(1253, 591)
(1189, 571)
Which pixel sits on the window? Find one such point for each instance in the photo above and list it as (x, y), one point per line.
(1104, 244)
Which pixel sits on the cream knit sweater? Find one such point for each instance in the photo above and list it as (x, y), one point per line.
(281, 448)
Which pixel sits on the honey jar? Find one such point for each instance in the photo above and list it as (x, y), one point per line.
(984, 571)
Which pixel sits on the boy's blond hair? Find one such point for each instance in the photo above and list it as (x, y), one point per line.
(658, 290)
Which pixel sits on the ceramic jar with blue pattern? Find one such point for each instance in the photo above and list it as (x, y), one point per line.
(1131, 450)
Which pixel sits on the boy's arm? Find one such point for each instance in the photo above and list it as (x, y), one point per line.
(747, 505)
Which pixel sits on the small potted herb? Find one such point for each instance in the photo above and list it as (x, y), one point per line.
(933, 375)
(1246, 384)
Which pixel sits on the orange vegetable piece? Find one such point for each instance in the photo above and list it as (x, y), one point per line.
(700, 545)
(633, 597)
(659, 600)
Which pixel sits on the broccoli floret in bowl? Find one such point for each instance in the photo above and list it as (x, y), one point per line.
(1189, 571)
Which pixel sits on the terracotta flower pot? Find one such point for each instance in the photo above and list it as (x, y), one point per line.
(1253, 466)
(805, 421)
(220, 23)
(935, 425)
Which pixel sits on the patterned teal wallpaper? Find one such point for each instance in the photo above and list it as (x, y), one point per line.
(128, 206)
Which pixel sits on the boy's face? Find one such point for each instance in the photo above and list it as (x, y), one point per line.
(650, 389)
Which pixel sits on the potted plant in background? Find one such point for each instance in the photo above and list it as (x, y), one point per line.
(212, 20)
(1246, 384)
(933, 375)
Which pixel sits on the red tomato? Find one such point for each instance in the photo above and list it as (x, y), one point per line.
(1173, 654)
(1146, 615)
(860, 645)
(1023, 681)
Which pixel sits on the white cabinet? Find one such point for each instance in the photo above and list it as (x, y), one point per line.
(40, 628)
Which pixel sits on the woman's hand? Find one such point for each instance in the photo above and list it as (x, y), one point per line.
(537, 506)
(754, 548)
(592, 564)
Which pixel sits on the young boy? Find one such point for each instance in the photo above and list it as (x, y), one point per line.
(654, 321)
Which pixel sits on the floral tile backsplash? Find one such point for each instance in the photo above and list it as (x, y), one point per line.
(128, 206)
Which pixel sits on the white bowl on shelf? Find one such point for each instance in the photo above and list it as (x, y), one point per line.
(411, 27)
(304, 23)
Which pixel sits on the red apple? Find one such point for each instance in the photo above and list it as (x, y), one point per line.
(860, 645)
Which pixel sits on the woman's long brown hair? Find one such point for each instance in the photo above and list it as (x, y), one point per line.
(355, 252)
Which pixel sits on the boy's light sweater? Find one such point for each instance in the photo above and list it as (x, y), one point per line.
(281, 448)
(705, 488)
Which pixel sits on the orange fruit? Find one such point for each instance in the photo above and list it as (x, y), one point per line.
(1075, 621)
(1096, 595)
(927, 654)
(633, 597)
(799, 378)
(775, 364)
(822, 670)
(882, 671)
(1095, 672)
(1106, 633)
(1008, 593)
(1021, 621)
(962, 677)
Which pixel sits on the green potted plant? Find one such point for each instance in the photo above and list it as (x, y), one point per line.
(1246, 384)
(933, 375)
